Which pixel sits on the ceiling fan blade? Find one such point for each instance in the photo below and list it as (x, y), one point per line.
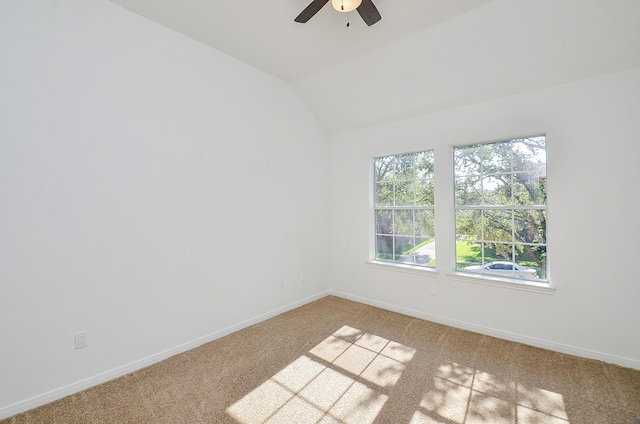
(313, 8)
(369, 12)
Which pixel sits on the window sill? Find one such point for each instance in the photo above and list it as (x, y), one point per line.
(514, 284)
(411, 269)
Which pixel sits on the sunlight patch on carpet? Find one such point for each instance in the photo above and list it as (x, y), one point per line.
(463, 395)
(340, 381)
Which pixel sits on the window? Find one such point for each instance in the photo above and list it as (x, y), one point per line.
(404, 209)
(501, 209)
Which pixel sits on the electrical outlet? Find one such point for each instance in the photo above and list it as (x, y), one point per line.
(81, 339)
(432, 289)
(303, 278)
(282, 283)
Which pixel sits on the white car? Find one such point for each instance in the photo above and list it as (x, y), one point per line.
(504, 269)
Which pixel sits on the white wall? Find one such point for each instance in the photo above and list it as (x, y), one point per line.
(592, 129)
(153, 192)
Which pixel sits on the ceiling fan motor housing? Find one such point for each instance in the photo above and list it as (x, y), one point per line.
(345, 5)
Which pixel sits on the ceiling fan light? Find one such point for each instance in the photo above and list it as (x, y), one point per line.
(345, 5)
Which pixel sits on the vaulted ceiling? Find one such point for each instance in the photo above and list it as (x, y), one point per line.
(423, 56)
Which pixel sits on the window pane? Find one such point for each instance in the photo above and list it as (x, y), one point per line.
(424, 192)
(425, 254)
(384, 168)
(497, 158)
(405, 167)
(498, 252)
(384, 222)
(534, 257)
(424, 223)
(498, 225)
(403, 246)
(468, 254)
(384, 247)
(468, 190)
(406, 259)
(469, 224)
(529, 189)
(405, 193)
(384, 194)
(468, 160)
(497, 189)
(424, 165)
(530, 226)
(530, 260)
(403, 222)
(530, 155)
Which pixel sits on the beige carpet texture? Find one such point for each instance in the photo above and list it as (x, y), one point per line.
(335, 361)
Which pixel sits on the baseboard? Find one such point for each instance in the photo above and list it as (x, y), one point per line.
(532, 341)
(70, 389)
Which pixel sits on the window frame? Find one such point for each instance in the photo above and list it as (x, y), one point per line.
(374, 261)
(543, 285)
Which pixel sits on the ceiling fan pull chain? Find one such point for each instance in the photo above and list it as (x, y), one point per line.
(348, 14)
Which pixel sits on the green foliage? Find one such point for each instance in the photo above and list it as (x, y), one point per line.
(404, 180)
(404, 198)
(492, 183)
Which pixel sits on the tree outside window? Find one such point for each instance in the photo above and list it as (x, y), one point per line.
(404, 209)
(501, 208)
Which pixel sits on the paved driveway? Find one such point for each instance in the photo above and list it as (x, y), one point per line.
(426, 253)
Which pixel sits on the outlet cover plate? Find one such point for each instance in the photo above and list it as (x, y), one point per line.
(81, 339)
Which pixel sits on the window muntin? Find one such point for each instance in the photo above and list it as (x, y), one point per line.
(404, 209)
(501, 208)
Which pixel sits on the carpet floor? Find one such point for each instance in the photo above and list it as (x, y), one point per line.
(334, 361)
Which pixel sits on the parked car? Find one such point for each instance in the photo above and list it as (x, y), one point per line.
(504, 269)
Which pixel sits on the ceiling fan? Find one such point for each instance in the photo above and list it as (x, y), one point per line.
(365, 8)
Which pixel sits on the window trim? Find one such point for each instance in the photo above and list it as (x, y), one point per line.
(373, 261)
(543, 286)
(445, 227)
(403, 267)
(508, 283)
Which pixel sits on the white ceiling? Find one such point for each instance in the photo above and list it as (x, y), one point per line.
(423, 56)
